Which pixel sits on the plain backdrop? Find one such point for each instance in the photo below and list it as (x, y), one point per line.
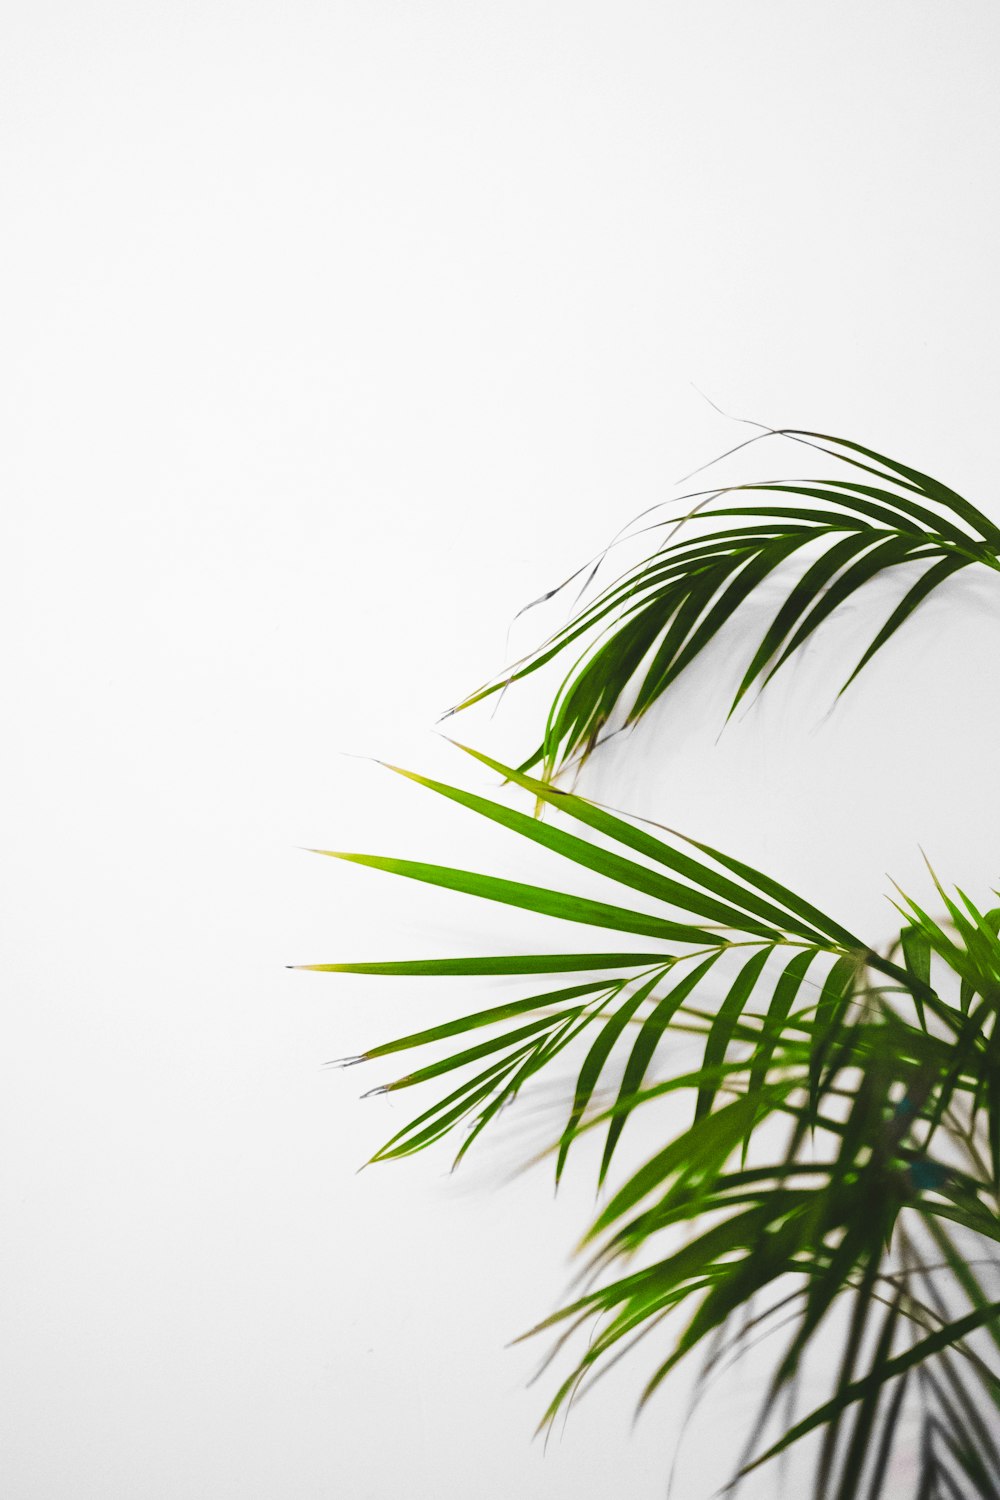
(332, 334)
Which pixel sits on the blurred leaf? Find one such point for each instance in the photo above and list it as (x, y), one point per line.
(857, 1390)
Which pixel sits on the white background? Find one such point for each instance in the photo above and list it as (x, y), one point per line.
(332, 334)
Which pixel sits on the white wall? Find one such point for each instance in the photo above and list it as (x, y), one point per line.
(332, 334)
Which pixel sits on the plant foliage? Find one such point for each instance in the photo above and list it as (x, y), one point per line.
(631, 643)
(836, 1177)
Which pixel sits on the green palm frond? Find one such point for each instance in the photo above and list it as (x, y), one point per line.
(640, 633)
(839, 1156)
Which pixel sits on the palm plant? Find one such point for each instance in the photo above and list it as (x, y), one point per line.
(835, 1175)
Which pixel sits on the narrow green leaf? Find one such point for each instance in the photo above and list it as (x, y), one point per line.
(795, 904)
(642, 1052)
(883, 555)
(800, 597)
(534, 898)
(835, 996)
(785, 991)
(594, 857)
(445, 1113)
(932, 488)
(678, 626)
(754, 572)
(525, 963)
(915, 596)
(491, 1017)
(541, 1053)
(714, 1135)
(895, 509)
(721, 1033)
(788, 917)
(917, 957)
(593, 1064)
(473, 1054)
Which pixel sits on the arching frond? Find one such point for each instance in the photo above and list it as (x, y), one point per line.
(630, 644)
